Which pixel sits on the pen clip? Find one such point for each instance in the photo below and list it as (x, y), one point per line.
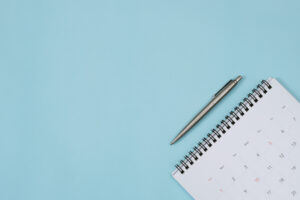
(223, 88)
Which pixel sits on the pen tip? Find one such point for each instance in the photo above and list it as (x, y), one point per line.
(173, 141)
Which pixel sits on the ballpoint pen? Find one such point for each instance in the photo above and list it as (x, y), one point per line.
(216, 98)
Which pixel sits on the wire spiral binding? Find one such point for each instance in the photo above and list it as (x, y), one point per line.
(223, 126)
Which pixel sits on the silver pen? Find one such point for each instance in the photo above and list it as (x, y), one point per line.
(216, 98)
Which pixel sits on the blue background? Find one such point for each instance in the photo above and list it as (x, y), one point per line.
(92, 92)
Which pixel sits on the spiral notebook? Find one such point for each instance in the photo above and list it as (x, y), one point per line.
(254, 153)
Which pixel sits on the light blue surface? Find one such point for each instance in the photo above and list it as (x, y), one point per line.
(92, 92)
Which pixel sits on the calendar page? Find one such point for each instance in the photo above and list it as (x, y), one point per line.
(256, 159)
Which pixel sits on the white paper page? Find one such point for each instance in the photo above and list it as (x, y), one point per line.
(257, 158)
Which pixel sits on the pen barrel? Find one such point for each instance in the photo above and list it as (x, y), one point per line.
(206, 109)
(211, 104)
(217, 97)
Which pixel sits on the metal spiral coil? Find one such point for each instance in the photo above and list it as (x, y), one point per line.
(221, 128)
